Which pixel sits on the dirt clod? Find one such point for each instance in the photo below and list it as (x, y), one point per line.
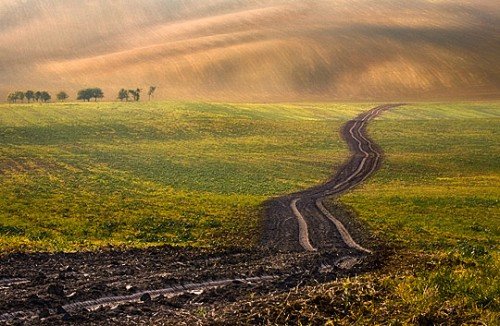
(56, 289)
(146, 297)
(44, 313)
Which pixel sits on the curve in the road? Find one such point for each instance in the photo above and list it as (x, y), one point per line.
(313, 226)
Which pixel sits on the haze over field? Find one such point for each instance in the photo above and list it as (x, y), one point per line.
(254, 50)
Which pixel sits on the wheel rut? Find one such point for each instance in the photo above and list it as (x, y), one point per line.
(316, 227)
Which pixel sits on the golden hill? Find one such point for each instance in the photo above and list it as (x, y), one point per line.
(254, 49)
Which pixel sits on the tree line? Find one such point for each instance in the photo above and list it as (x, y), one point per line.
(85, 95)
(32, 96)
(134, 94)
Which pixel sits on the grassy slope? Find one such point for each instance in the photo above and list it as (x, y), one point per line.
(242, 50)
(439, 183)
(82, 175)
(436, 198)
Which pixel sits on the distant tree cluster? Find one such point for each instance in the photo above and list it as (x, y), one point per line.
(62, 96)
(125, 95)
(30, 96)
(90, 93)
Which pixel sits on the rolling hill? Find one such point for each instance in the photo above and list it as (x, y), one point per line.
(254, 50)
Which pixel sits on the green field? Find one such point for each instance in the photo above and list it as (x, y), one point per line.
(440, 183)
(81, 176)
(77, 176)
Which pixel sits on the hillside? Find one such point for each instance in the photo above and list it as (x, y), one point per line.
(254, 50)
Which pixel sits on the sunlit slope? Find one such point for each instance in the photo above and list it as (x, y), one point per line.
(244, 50)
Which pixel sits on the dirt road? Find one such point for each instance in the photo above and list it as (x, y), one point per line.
(301, 221)
(304, 242)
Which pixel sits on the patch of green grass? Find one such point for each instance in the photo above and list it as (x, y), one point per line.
(437, 195)
(78, 175)
(440, 180)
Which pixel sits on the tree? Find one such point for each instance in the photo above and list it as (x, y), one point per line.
(15, 96)
(62, 96)
(12, 98)
(96, 93)
(151, 91)
(38, 96)
(30, 95)
(45, 96)
(136, 94)
(19, 96)
(123, 95)
(84, 95)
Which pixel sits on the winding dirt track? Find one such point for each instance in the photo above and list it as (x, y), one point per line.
(300, 221)
(304, 242)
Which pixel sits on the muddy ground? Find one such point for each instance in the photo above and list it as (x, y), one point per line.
(42, 284)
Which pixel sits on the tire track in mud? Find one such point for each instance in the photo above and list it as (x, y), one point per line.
(169, 291)
(7, 282)
(313, 226)
(110, 301)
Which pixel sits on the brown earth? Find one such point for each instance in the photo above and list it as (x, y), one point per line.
(37, 288)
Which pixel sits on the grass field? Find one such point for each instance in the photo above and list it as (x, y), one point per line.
(76, 176)
(81, 176)
(440, 181)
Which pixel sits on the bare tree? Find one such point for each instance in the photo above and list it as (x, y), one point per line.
(151, 91)
(136, 94)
